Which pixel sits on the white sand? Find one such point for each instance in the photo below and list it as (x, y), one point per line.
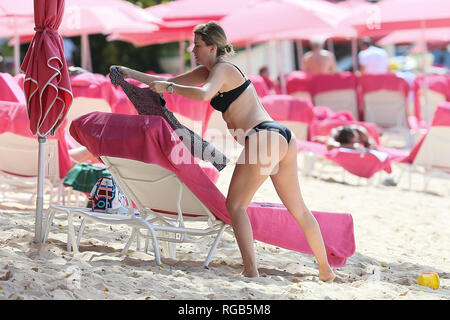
(399, 235)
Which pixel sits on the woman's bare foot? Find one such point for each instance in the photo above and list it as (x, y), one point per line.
(253, 273)
(326, 274)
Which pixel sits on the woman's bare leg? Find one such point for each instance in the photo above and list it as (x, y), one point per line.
(287, 186)
(247, 177)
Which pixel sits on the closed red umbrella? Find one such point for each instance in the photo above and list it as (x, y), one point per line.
(47, 85)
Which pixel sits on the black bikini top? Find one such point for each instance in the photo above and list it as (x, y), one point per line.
(223, 100)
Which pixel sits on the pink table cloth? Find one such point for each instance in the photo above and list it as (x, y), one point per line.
(282, 107)
(151, 140)
(10, 89)
(14, 119)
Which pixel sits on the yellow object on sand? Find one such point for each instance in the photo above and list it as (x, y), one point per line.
(429, 279)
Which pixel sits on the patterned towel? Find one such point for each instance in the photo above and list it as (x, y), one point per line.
(148, 102)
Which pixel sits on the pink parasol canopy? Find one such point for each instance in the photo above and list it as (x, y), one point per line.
(393, 15)
(440, 35)
(84, 17)
(46, 85)
(179, 18)
(266, 20)
(88, 17)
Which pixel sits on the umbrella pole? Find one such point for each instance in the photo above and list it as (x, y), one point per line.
(16, 54)
(181, 53)
(40, 190)
(280, 55)
(86, 62)
(248, 53)
(299, 45)
(193, 62)
(425, 80)
(355, 54)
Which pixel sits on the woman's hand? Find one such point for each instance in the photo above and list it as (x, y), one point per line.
(159, 86)
(124, 71)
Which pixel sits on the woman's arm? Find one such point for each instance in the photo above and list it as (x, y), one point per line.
(139, 76)
(194, 77)
(211, 86)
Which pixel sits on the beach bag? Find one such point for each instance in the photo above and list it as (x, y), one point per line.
(107, 197)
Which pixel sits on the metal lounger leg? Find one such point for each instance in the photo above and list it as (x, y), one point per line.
(130, 241)
(214, 246)
(80, 231)
(71, 234)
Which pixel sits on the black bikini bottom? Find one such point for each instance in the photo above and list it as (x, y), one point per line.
(271, 126)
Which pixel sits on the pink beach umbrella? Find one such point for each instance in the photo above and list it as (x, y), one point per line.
(46, 85)
(84, 17)
(206, 10)
(441, 35)
(280, 20)
(179, 18)
(392, 15)
(266, 20)
(396, 15)
(14, 14)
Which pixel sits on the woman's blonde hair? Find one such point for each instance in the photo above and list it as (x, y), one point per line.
(212, 33)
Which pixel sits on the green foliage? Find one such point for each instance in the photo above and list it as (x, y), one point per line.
(147, 3)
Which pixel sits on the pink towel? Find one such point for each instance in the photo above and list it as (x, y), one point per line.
(361, 164)
(10, 89)
(151, 140)
(321, 128)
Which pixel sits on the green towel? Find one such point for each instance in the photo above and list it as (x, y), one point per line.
(83, 176)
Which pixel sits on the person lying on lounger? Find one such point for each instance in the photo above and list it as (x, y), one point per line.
(270, 148)
(352, 136)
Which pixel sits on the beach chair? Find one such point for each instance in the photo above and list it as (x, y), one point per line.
(427, 99)
(158, 174)
(295, 113)
(431, 155)
(298, 84)
(361, 164)
(337, 91)
(19, 154)
(385, 102)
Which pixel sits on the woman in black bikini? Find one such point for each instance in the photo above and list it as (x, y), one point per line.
(232, 94)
